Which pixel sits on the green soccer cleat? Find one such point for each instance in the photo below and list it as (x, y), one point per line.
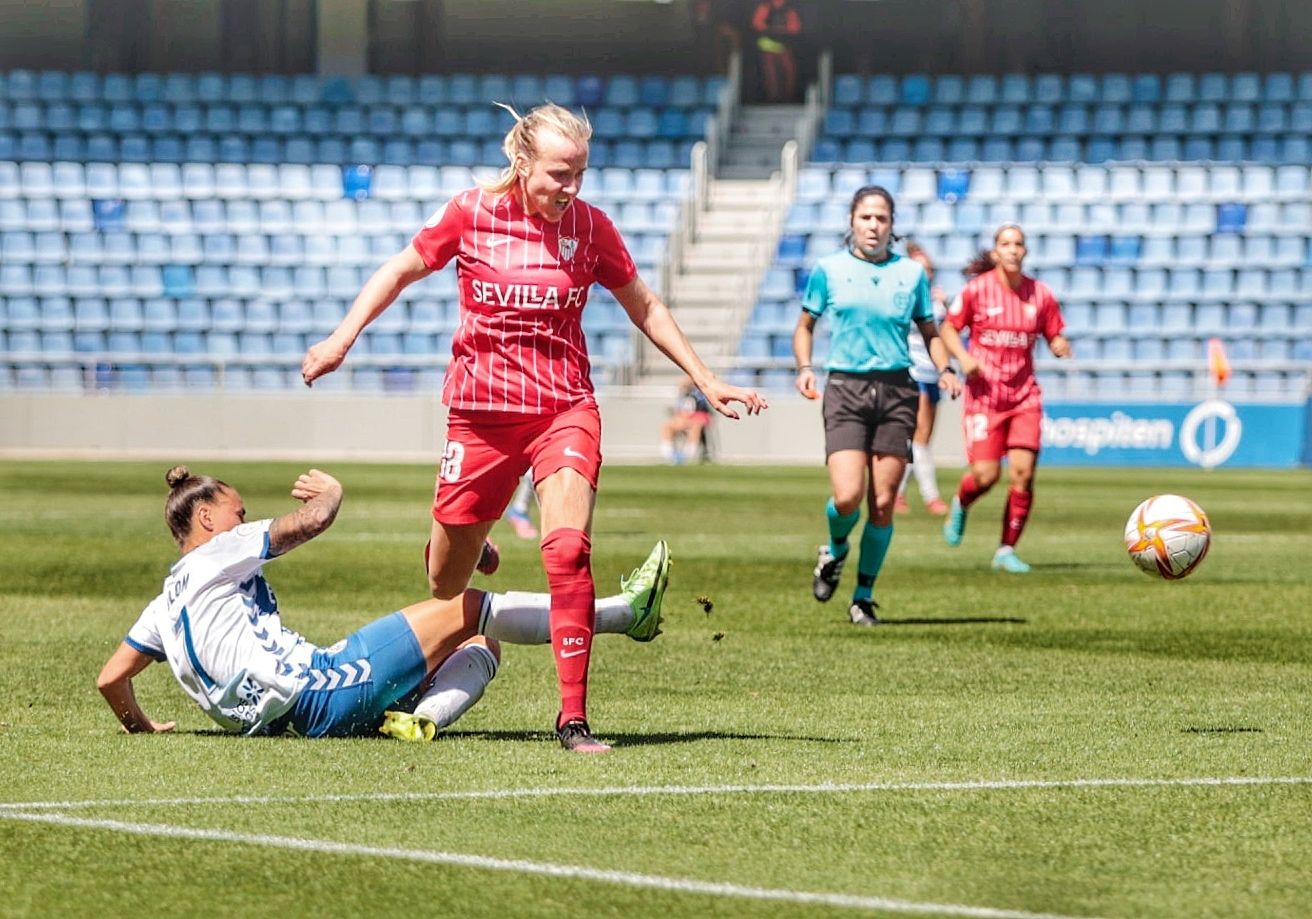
(408, 727)
(954, 528)
(644, 589)
(1005, 559)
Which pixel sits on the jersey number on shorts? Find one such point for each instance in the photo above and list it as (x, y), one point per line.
(453, 457)
(977, 427)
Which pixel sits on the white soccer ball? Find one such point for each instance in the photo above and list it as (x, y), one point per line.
(1168, 536)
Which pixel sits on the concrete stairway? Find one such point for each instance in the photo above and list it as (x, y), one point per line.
(713, 290)
(756, 139)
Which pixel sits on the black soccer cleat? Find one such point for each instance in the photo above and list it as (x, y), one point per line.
(576, 737)
(828, 570)
(862, 612)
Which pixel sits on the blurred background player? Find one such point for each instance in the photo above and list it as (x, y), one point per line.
(518, 386)
(520, 506)
(1007, 312)
(688, 422)
(872, 296)
(217, 625)
(926, 375)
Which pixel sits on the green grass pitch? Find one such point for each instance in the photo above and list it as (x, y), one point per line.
(1081, 741)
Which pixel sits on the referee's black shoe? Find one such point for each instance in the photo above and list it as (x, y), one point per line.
(828, 570)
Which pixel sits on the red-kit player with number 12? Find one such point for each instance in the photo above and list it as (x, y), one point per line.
(1007, 312)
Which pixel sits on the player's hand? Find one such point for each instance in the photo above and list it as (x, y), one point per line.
(805, 383)
(971, 366)
(949, 383)
(1060, 346)
(322, 357)
(721, 394)
(310, 485)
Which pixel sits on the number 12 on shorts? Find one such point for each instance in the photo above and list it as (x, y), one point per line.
(977, 427)
(453, 458)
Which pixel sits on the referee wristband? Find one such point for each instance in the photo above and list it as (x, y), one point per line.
(951, 370)
(803, 367)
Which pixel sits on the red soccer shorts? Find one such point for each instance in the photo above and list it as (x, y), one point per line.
(989, 435)
(486, 453)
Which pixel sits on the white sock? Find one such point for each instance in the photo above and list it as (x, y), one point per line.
(522, 618)
(922, 461)
(457, 685)
(906, 476)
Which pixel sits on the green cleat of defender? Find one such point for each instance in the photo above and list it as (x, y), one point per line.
(408, 727)
(644, 589)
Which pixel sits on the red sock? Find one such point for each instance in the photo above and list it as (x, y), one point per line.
(968, 490)
(1015, 514)
(567, 557)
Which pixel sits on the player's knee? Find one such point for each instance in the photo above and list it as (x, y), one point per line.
(491, 644)
(985, 477)
(567, 553)
(847, 501)
(443, 587)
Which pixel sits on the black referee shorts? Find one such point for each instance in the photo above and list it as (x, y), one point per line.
(873, 412)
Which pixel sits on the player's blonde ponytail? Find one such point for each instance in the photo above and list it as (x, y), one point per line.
(521, 142)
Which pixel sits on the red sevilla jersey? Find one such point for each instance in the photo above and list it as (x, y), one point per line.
(1004, 326)
(523, 283)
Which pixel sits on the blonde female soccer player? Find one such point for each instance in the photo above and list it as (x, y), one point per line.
(527, 250)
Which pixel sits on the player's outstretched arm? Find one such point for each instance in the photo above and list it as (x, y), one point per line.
(654, 319)
(322, 495)
(115, 684)
(378, 293)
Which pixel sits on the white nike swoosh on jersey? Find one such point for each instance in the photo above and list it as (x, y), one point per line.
(565, 654)
(993, 311)
(570, 451)
(499, 241)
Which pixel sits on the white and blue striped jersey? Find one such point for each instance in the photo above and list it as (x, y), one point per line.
(922, 368)
(217, 624)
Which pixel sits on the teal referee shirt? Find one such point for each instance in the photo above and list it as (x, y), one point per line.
(871, 309)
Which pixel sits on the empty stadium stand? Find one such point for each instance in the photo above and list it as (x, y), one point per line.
(163, 231)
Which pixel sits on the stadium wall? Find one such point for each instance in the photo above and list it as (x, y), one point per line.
(323, 425)
(326, 426)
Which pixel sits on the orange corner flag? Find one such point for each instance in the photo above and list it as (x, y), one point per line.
(1217, 362)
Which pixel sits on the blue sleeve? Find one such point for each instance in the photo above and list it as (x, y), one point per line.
(816, 298)
(155, 653)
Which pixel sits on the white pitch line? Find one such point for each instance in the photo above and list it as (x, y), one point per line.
(521, 866)
(652, 790)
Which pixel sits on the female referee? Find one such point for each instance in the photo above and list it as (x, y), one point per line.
(872, 296)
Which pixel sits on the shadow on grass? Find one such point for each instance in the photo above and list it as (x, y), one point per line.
(618, 739)
(956, 620)
(645, 740)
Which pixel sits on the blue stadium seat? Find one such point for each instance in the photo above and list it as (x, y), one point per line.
(848, 90)
(1231, 217)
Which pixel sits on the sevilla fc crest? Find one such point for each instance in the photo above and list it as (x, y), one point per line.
(568, 246)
